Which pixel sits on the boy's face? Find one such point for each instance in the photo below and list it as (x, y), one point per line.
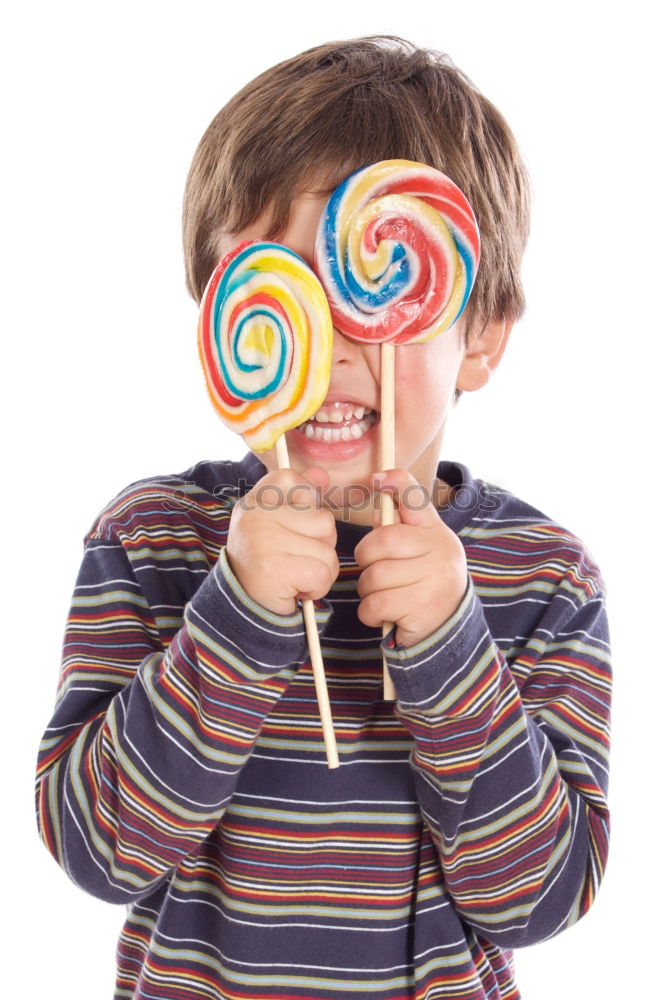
(425, 381)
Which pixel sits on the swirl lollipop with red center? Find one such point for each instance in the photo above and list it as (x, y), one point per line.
(397, 252)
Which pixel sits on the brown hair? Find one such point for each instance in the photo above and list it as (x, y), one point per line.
(308, 122)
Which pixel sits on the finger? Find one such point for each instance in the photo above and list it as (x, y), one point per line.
(314, 577)
(274, 489)
(387, 605)
(311, 522)
(315, 481)
(391, 541)
(389, 574)
(317, 476)
(413, 501)
(304, 497)
(284, 491)
(306, 547)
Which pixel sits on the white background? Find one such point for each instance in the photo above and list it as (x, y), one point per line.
(104, 105)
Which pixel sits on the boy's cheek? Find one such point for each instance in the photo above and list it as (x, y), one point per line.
(425, 374)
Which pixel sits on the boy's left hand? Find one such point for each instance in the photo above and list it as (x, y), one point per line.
(414, 571)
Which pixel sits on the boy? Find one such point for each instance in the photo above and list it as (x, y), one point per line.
(184, 773)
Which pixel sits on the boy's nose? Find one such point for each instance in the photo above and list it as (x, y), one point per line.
(344, 350)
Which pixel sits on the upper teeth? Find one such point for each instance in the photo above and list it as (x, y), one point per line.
(336, 413)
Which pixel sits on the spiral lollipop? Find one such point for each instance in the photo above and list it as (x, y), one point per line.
(265, 344)
(397, 251)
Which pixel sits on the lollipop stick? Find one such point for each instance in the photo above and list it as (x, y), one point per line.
(387, 460)
(315, 654)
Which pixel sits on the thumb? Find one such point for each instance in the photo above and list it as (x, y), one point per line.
(317, 476)
(319, 479)
(410, 497)
(415, 507)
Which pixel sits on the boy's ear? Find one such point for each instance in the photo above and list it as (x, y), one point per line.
(483, 354)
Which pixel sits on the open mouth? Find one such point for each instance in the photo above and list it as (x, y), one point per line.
(339, 422)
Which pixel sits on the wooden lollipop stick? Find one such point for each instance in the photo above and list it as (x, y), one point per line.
(315, 655)
(387, 461)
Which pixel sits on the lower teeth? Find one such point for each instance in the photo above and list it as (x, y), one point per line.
(349, 432)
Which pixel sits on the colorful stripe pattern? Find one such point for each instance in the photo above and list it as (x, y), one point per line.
(184, 774)
(397, 251)
(264, 341)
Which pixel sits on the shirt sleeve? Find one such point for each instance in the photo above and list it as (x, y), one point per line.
(510, 762)
(146, 743)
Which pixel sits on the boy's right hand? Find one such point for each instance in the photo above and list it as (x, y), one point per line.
(281, 540)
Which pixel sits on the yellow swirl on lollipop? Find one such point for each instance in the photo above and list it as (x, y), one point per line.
(265, 342)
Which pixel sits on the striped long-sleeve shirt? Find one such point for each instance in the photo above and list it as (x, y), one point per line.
(183, 772)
